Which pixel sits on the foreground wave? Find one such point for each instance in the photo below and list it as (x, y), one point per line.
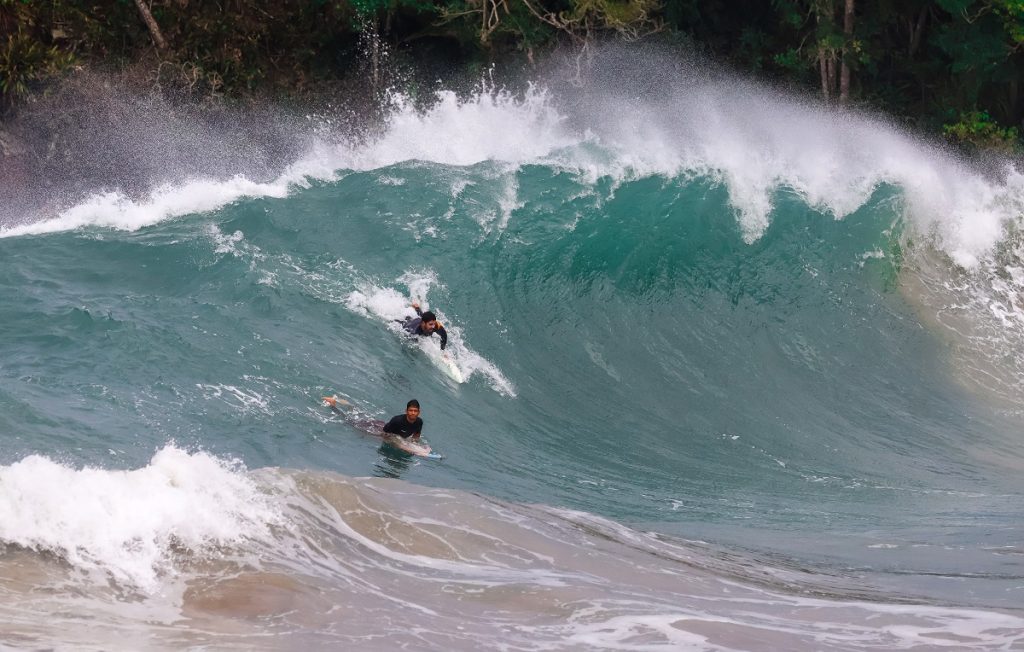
(329, 560)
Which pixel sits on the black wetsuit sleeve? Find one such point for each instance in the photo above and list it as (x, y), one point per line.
(418, 311)
(444, 336)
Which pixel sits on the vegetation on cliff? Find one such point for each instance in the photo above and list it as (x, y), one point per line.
(953, 65)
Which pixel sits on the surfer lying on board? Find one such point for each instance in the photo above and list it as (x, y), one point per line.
(404, 425)
(425, 325)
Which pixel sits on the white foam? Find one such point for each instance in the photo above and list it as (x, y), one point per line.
(115, 210)
(489, 126)
(125, 522)
(247, 400)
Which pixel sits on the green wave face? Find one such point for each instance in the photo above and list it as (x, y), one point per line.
(628, 350)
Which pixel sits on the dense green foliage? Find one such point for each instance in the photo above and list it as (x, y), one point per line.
(954, 65)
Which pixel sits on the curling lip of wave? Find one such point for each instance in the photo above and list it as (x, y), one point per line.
(749, 139)
(487, 127)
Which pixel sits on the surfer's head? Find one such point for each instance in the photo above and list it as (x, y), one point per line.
(412, 410)
(429, 322)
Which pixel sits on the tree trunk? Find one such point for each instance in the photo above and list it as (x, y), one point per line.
(375, 62)
(1014, 89)
(824, 73)
(832, 71)
(844, 75)
(916, 31)
(154, 29)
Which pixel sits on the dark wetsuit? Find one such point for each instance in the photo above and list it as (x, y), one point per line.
(414, 326)
(399, 425)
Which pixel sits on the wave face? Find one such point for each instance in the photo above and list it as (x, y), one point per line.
(756, 357)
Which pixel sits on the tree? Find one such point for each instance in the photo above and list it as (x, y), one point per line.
(580, 21)
(154, 29)
(844, 75)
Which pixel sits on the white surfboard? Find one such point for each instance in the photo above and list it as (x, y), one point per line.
(445, 362)
(452, 370)
(417, 448)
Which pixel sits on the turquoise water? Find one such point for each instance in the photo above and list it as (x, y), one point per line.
(715, 356)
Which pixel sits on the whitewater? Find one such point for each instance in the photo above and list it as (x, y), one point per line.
(742, 373)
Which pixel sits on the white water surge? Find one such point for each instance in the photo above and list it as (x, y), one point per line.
(127, 523)
(245, 558)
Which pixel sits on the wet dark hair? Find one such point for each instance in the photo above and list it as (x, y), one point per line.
(428, 316)
(413, 403)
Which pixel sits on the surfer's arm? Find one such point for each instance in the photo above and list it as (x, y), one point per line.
(416, 307)
(444, 335)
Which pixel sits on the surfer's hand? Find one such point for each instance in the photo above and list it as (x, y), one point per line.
(416, 436)
(415, 304)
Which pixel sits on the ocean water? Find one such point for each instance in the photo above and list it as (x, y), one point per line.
(743, 373)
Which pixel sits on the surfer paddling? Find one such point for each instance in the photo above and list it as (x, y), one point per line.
(425, 324)
(406, 426)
